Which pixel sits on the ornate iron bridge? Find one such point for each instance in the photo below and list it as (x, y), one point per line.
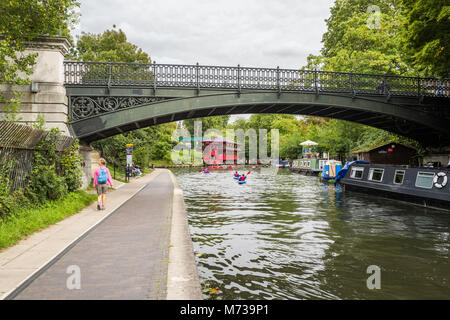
(96, 89)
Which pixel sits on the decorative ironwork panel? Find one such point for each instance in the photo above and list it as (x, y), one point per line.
(223, 77)
(369, 84)
(332, 82)
(402, 86)
(434, 88)
(86, 107)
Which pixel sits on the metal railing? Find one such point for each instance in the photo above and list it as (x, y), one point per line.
(221, 77)
(17, 146)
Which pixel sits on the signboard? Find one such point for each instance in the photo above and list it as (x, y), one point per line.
(129, 154)
(129, 149)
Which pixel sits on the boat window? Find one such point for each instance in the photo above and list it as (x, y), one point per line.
(376, 174)
(425, 180)
(399, 176)
(356, 173)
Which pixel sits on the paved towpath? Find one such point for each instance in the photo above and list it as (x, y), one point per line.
(123, 257)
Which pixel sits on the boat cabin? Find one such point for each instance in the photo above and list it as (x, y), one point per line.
(424, 186)
(392, 153)
(330, 169)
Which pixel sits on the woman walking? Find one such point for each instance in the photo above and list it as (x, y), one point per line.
(101, 179)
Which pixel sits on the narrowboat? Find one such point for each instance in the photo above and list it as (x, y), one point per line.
(309, 163)
(330, 170)
(282, 164)
(308, 166)
(428, 187)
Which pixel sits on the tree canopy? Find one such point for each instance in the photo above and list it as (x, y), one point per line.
(362, 36)
(215, 122)
(426, 35)
(21, 22)
(404, 37)
(337, 137)
(111, 45)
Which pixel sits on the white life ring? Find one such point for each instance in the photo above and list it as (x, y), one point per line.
(444, 181)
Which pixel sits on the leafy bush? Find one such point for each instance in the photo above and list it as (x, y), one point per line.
(53, 175)
(45, 184)
(70, 164)
(5, 197)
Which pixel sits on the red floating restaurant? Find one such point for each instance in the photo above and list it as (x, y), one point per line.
(219, 151)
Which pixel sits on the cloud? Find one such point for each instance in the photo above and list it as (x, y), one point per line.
(216, 32)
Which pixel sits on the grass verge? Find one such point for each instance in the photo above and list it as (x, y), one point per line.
(25, 222)
(160, 163)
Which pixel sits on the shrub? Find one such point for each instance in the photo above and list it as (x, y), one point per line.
(5, 197)
(52, 176)
(70, 165)
(45, 184)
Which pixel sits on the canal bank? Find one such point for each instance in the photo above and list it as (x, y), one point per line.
(120, 253)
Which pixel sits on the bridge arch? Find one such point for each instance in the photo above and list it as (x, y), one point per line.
(395, 116)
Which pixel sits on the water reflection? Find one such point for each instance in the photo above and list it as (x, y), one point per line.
(289, 236)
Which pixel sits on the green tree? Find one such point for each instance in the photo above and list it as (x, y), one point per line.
(215, 122)
(362, 38)
(111, 45)
(290, 146)
(426, 35)
(20, 23)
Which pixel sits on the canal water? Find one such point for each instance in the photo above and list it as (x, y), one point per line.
(289, 236)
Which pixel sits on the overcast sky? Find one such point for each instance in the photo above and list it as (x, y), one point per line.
(259, 33)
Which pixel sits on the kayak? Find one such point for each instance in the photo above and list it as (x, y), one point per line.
(242, 182)
(236, 178)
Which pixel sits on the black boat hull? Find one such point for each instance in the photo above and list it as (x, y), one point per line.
(417, 200)
(434, 192)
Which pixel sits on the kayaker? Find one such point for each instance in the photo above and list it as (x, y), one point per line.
(242, 178)
(236, 174)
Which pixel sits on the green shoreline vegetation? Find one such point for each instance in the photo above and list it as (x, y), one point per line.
(26, 221)
(50, 195)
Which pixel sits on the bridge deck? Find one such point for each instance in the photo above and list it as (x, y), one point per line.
(112, 98)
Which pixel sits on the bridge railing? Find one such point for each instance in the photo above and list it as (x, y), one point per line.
(223, 77)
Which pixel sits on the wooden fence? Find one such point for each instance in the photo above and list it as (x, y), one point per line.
(17, 146)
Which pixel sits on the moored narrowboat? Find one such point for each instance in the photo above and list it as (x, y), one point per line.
(427, 187)
(330, 170)
(308, 166)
